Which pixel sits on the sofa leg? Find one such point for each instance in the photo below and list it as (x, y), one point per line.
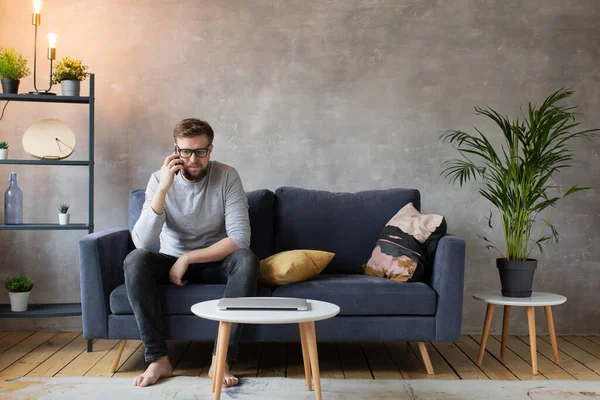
(115, 363)
(90, 343)
(426, 360)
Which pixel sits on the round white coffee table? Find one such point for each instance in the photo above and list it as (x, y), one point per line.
(317, 310)
(537, 299)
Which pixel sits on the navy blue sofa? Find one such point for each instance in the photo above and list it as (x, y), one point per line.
(347, 224)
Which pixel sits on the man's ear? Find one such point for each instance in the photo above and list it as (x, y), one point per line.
(210, 147)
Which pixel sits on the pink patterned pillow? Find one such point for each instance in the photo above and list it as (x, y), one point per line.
(402, 249)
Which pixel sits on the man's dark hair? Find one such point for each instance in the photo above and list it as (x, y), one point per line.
(190, 127)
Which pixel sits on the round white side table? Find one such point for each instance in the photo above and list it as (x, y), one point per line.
(537, 299)
(317, 310)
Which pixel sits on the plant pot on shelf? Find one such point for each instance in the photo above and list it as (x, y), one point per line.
(3, 154)
(63, 219)
(516, 277)
(19, 301)
(10, 86)
(70, 88)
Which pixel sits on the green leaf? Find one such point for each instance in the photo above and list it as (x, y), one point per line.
(19, 283)
(577, 188)
(13, 65)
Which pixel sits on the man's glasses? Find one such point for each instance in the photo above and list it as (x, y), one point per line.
(187, 153)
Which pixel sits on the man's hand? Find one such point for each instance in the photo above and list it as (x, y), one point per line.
(178, 270)
(171, 165)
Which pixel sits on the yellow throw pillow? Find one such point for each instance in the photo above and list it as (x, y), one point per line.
(293, 266)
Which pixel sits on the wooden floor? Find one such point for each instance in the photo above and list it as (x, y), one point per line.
(45, 354)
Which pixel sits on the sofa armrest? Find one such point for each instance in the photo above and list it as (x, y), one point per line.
(101, 257)
(448, 281)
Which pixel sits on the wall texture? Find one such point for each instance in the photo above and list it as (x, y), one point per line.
(331, 94)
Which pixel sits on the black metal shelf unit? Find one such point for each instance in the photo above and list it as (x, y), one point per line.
(42, 311)
(45, 162)
(44, 227)
(49, 98)
(68, 309)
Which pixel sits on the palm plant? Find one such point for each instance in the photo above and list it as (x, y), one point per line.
(517, 179)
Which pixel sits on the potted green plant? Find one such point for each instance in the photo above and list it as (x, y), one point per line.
(3, 150)
(516, 179)
(69, 73)
(19, 287)
(13, 68)
(63, 216)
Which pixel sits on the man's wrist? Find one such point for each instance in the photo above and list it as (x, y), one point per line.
(185, 257)
(161, 191)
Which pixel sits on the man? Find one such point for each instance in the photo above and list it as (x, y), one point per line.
(199, 211)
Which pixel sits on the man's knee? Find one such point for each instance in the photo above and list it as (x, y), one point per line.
(246, 262)
(136, 261)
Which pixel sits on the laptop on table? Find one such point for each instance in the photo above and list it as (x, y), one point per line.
(263, 303)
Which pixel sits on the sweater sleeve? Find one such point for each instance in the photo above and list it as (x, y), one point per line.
(237, 221)
(146, 230)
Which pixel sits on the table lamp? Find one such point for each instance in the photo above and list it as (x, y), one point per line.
(35, 21)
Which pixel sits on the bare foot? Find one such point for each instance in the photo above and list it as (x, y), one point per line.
(159, 368)
(228, 379)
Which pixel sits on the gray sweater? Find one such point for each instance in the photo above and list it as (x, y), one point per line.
(196, 215)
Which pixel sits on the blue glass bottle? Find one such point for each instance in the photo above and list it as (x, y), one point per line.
(13, 202)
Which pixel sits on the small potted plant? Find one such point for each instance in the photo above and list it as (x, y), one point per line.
(69, 73)
(63, 216)
(3, 150)
(19, 287)
(13, 68)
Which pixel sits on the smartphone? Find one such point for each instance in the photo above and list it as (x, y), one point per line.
(175, 151)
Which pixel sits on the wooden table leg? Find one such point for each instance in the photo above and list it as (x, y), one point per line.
(489, 312)
(314, 357)
(214, 378)
(504, 330)
(550, 320)
(532, 338)
(305, 355)
(223, 341)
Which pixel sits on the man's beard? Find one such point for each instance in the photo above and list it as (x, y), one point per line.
(194, 176)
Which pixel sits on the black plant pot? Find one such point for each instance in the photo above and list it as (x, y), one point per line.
(10, 86)
(516, 277)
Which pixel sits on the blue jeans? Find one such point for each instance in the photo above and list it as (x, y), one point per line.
(145, 270)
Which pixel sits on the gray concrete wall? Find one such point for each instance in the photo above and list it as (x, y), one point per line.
(337, 95)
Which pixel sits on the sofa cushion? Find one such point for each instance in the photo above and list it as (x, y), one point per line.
(136, 201)
(365, 295)
(261, 205)
(347, 224)
(293, 266)
(400, 253)
(260, 210)
(176, 299)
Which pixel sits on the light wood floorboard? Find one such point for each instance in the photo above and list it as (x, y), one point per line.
(39, 354)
